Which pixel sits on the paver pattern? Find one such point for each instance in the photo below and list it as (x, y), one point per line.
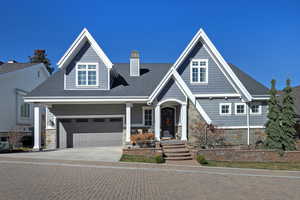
(42, 179)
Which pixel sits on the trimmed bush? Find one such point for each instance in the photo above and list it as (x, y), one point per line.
(201, 159)
(159, 159)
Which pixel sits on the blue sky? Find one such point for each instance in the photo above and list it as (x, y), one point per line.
(260, 37)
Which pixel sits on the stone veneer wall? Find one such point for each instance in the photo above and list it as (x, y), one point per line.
(50, 139)
(230, 136)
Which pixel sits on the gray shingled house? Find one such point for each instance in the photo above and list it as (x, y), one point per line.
(94, 102)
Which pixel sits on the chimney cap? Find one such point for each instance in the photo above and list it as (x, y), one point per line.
(11, 61)
(134, 54)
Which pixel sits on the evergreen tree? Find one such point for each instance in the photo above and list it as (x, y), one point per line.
(40, 56)
(273, 127)
(288, 121)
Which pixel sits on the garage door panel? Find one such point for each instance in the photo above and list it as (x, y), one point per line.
(96, 139)
(92, 132)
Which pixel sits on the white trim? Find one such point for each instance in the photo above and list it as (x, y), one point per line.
(108, 78)
(239, 127)
(87, 75)
(147, 108)
(259, 108)
(216, 95)
(248, 124)
(261, 98)
(37, 128)
(225, 104)
(171, 100)
(240, 104)
(128, 122)
(183, 121)
(79, 41)
(199, 67)
(84, 100)
(157, 122)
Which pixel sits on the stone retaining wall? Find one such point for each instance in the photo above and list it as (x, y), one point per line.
(247, 155)
(148, 152)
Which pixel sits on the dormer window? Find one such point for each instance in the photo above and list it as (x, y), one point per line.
(86, 74)
(198, 69)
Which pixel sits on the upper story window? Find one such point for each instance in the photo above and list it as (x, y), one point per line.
(255, 109)
(147, 116)
(87, 74)
(199, 70)
(240, 108)
(225, 109)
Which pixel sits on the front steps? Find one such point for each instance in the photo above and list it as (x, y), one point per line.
(174, 150)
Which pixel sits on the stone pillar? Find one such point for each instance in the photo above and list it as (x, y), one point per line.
(128, 122)
(157, 122)
(183, 114)
(37, 128)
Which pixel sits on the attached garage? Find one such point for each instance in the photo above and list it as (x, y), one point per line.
(90, 132)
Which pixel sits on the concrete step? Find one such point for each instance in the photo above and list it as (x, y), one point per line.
(179, 158)
(173, 146)
(177, 154)
(176, 150)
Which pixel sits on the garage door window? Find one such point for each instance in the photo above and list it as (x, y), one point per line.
(82, 120)
(99, 120)
(115, 119)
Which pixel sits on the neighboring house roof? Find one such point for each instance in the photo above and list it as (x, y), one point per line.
(129, 86)
(254, 87)
(123, 85)
(11, 67)
(296, 92)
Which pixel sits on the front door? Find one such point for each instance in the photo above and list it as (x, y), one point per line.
(168, 122)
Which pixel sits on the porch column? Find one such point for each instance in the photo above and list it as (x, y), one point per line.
(157, 122)
(183, 113)
(37, 128)
(128, 121)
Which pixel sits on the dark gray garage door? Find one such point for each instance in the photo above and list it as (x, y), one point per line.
(92, 132)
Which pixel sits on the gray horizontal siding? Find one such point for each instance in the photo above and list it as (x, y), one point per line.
(171, 91)
(211, 107)
(217, 82)
(86, 54)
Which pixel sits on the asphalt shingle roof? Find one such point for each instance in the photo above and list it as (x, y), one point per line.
(10, 67)
(125, 85)
(254, 87)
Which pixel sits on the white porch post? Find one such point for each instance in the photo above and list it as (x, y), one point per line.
(128, 121)
(157, 122)
(37, 128)
(183, 114)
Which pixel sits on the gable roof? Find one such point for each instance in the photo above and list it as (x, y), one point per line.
(123, 85)
(76, 46)
(11, 67)
(254, 87)
(201, 36)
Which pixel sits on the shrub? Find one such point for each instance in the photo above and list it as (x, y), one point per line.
(201, 159)
(141, 137)
(159, 159)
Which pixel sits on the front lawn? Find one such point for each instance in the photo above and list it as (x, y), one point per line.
(139, 158)
(255, 165)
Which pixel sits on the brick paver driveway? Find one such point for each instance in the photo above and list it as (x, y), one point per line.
(42, 179)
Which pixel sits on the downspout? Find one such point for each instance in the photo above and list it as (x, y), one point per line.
(248, 125)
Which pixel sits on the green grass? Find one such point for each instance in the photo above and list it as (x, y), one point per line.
(255, 165)
(144, 159)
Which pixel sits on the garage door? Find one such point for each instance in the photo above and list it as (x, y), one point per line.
(92, 132)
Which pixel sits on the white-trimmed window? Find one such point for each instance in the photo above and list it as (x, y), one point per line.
(240, 108)
(225, 108)
(255, 109)
(147, 116)
(87, 74)
(199, 71)
(25, 110)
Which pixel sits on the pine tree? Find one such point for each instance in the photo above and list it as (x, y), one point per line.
(40, 56)
(288, 121)
(273, 127)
